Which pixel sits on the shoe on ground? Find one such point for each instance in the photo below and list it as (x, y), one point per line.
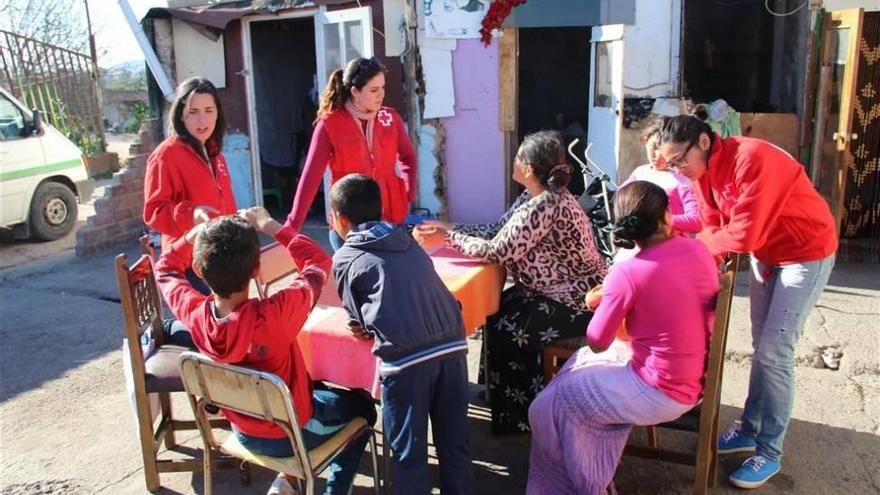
(281, 486)
(754, 472)
(735, 440)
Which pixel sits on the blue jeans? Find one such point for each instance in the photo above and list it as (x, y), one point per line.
(333, 409)
(437, 389)
(780, 303)
(336, 241)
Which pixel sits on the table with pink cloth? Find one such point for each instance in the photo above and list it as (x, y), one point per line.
(333, 355)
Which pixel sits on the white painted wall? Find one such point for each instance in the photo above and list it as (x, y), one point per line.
(651, 49)
(196, 55)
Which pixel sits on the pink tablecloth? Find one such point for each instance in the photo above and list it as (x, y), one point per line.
(333, 355)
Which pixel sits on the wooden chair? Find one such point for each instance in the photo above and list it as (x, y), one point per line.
(146, 247)
(702, 419)
(156, 373)
(275, 264)
(261, 395)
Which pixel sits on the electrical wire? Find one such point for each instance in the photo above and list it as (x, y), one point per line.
(777, 14)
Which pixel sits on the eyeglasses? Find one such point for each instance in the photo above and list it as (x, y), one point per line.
(680, 162)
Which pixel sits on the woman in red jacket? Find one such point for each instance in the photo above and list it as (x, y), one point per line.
(356, 134)
(755, 198)
(187, 181)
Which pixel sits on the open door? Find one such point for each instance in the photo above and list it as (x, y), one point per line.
(606, 88)
(833, 136)
(340, 36)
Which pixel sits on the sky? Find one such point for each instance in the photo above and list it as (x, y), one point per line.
(114, 38)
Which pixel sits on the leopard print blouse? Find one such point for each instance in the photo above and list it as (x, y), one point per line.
(545, 243)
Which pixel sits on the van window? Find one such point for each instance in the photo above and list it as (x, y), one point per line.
(11, 121)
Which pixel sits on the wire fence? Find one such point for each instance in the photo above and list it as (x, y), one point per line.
(59, 82)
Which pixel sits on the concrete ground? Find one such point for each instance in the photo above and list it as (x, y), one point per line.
(66, 426)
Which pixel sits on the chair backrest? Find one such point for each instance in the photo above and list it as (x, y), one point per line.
(247, 391)
(718, 340)
(146, 247)
(275, 264)
(141, 307)
(707, 446)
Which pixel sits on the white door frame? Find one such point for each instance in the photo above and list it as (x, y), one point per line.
(250, 97)
(614, 34)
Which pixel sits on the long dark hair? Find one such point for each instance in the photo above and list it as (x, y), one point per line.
(176, 127)
(356, 74)
(545, 152)
(638, 208)
(683, 129)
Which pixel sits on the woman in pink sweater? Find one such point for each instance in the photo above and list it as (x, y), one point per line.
(666, 292)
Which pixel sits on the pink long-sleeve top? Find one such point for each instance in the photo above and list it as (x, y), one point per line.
(683, 203)
(317, 159)
(667, 294)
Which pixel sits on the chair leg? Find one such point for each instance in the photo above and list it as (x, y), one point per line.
(148, 452)
(207, 470)
(386, 463)
(376, 483)
(165, 406)
(653, 440)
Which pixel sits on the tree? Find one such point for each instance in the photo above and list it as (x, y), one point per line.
(57, 22)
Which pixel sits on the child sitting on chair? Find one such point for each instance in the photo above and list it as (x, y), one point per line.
(231, 328)
(666, 293)
(392, 293)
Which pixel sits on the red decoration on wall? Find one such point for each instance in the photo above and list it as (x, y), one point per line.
(498, 11)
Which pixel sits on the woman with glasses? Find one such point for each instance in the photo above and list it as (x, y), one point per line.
(755, 198)
(354, 133)
(683, 203)
(666, 293)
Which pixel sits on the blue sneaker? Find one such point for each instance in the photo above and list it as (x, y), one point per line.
(735, 441)
(754, 472)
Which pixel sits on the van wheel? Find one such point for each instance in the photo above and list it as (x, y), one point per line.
(53, 211)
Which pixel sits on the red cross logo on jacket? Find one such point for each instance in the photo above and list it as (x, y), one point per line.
(384, 117)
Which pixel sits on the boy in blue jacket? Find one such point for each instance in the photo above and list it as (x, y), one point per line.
(392, 293)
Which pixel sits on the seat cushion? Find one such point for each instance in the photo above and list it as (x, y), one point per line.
(289, 465)
(163, 372)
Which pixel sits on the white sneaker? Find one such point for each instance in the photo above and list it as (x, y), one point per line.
(281, 487)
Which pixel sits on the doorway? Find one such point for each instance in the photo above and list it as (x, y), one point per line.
(553, 83)
(285, 101)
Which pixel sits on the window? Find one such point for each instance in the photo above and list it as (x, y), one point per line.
(11, 121)
(603, 88)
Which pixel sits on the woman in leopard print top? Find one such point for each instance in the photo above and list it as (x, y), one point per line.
(545, 242)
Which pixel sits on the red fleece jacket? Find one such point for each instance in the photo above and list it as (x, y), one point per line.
(258, 334)
(755, 198)
(177, 180)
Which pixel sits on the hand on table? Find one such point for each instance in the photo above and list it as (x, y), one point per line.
(358, 331)
(431, 233)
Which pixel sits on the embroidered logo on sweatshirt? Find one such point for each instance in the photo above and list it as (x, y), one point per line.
(384, 117)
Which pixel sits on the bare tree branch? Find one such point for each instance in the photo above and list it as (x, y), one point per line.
(58, 22)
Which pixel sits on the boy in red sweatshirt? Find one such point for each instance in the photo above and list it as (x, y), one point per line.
(231, 328)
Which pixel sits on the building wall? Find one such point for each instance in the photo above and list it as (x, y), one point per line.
(474, 144)
(868, 5)
(651, 62)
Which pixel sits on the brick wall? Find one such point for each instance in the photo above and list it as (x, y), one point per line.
(117, 219)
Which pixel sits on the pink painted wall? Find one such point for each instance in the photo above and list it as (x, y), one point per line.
(474, 144)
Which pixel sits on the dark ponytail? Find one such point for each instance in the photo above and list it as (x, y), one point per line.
(638, 209)
(684, 129)
(355, 75)
(545, 152)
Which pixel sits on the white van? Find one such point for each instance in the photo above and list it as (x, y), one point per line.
(41, 174)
